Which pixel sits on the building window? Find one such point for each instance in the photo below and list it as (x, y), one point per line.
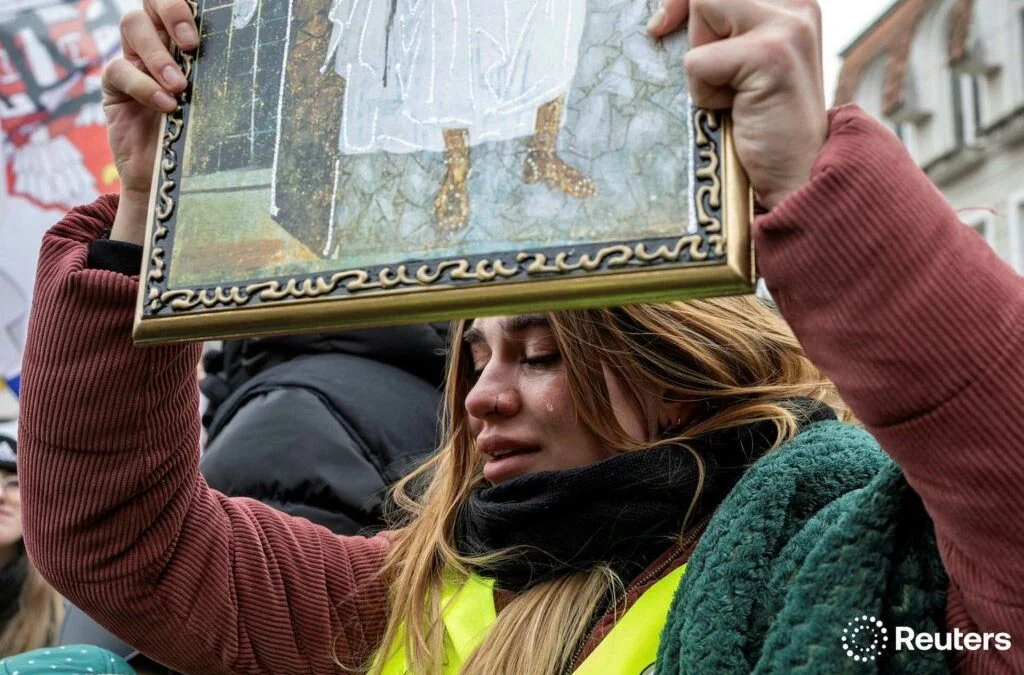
(981, 227)
(966, 108)
(1018, 236)
(1016, 231)
(983, 221)
(907, 132)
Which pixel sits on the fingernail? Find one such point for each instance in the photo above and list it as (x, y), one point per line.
(164, 101)
(656, 20)
(186, 34)
(174, 77)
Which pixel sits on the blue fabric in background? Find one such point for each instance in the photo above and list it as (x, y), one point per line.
(67, 660)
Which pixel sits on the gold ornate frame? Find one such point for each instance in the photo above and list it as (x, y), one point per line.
(716, 260)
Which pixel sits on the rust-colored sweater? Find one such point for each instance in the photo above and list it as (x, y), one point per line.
(905, 308)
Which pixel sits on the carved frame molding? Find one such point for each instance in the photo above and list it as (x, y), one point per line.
(161, 303)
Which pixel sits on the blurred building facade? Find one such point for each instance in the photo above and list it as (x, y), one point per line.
(947, 76)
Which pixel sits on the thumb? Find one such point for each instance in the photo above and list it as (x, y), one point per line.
(670, 15)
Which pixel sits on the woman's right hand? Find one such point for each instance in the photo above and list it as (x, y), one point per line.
(762, 59)
(137, 89)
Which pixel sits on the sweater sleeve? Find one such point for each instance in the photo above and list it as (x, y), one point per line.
(918, 323)
(119, 520)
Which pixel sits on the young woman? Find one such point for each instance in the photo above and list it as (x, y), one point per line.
(595, 461)
(30, 610)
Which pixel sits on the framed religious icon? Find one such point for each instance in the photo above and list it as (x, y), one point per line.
(347, 163)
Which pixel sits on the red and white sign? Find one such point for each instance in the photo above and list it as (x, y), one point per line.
(53, 141)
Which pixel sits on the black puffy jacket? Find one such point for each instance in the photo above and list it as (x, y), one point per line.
(319, 426)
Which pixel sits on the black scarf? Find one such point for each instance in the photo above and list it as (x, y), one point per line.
(12, 576)
(623, 512)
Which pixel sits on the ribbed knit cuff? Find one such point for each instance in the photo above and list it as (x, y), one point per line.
(115, 256)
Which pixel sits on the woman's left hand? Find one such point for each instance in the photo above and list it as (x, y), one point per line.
(762, 58)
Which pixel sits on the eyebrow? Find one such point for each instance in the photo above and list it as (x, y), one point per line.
(511, 325)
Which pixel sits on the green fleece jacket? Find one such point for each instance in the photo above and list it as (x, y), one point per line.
(819, 539)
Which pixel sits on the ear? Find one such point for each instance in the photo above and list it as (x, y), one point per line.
(673, 413)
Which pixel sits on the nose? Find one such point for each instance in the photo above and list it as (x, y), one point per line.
(493, 395)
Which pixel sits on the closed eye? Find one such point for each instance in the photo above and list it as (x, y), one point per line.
(542, 360)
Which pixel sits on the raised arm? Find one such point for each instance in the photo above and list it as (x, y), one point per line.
(906, 309)
(919, 324)
(119, 520)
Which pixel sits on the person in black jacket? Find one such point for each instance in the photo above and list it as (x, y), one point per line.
(320, 425)
(317, 426)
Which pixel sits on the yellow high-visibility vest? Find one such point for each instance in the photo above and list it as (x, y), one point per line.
(629, 649)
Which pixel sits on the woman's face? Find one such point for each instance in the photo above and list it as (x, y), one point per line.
(520, 411)
(10, 512)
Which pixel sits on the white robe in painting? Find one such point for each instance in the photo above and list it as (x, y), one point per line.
(414, 68)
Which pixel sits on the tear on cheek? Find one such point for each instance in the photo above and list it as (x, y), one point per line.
(550, 407)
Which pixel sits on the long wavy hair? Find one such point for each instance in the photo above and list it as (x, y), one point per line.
(734, 357)
(40, 612)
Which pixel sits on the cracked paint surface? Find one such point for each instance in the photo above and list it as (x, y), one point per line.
(624, 127)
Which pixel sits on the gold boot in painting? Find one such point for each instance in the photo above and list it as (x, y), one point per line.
(543, 163)
(452, 203)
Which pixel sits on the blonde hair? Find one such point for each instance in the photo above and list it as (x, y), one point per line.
(734, 357)
(40, 611)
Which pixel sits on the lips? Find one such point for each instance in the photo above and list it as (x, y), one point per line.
(507, 467)
(496, 446)
(509, 458)
(508, 452)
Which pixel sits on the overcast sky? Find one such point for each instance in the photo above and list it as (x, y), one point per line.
(844, 20)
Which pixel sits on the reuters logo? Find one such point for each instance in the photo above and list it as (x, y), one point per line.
(865, 638)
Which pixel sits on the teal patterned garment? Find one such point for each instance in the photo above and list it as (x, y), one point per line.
(67, 660)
